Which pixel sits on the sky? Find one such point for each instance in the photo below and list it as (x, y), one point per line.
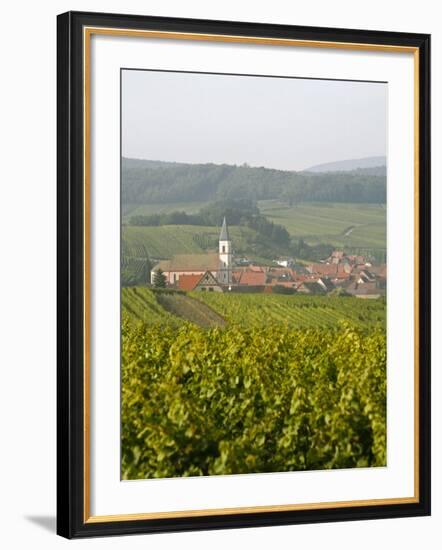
(282, 123)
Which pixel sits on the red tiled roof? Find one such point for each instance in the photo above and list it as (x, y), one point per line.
(323, 269)
(236, 276)
(301, 278)
(188, 282)
(331, 270)
(252, 278)
(341, 275)
(255, 268)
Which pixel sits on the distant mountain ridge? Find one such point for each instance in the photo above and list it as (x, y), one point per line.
(349, 165)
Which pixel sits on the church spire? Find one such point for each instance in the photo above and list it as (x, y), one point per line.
(224, 235)
(225, 256)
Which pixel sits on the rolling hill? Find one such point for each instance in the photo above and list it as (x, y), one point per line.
(146, 182)
(166, 240)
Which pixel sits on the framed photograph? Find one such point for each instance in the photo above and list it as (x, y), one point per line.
(232, 198)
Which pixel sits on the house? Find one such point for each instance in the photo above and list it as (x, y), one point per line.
(364, 290)
(187, 264)
(326, 284)
(310, 287)
(252, 278)
(217, 272)
(189, 282)
(366, 276)
(284, 261)
(219, 264)
(356, 259)
(204, 283)
(333, 271)
(336, 256)
(379, 270)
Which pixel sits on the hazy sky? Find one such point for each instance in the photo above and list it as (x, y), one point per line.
(280, 123)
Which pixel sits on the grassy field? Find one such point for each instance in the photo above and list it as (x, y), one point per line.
(343, 225)
(166, 240)
(250, 310)
(148, 209)
(349, 226)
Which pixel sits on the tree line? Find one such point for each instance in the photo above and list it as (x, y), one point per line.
(163, 182)
(242, 212)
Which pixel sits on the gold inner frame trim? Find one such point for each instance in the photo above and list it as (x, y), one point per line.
(87, 33)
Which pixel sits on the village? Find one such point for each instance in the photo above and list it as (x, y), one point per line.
(339, 274)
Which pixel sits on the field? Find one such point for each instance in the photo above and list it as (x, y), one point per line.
(219, 384)
(140, 304)
(251, 310)
(354, 227)
(231, 384)
(339, 224)
(238, 400)
(166, 240)
(130, 210)
(254, 310)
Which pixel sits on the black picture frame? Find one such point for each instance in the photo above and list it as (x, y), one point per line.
(71, 520)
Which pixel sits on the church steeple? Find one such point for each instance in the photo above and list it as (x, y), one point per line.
(224, 235)
(225, 256)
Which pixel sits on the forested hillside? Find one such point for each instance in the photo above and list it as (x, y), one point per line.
(146, 181)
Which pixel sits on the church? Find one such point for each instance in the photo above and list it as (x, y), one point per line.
(210, 271)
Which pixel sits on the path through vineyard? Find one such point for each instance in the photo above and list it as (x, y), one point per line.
(190, 309)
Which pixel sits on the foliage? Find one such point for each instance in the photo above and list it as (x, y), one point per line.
(159, 279)
(251, 310)
(300, 249)
(134, 271)
(355, 228)
(309, 225)
(261, 399)
(139, 303)
(135, 265)
(167, 240)
(185, 307)
(162, 182)
(237, 212)
(255, 310)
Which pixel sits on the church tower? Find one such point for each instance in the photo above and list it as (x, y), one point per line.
(225, 256)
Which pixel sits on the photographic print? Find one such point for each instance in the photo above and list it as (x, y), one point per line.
(253, 274)
(231, 197)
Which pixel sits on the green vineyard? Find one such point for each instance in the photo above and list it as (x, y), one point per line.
(237, 383)
(251, 310)
(134, 271)
(140, 304)
(299, 311)
(135, 266)
(238, 400)
(346, 225)
(166, 240)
